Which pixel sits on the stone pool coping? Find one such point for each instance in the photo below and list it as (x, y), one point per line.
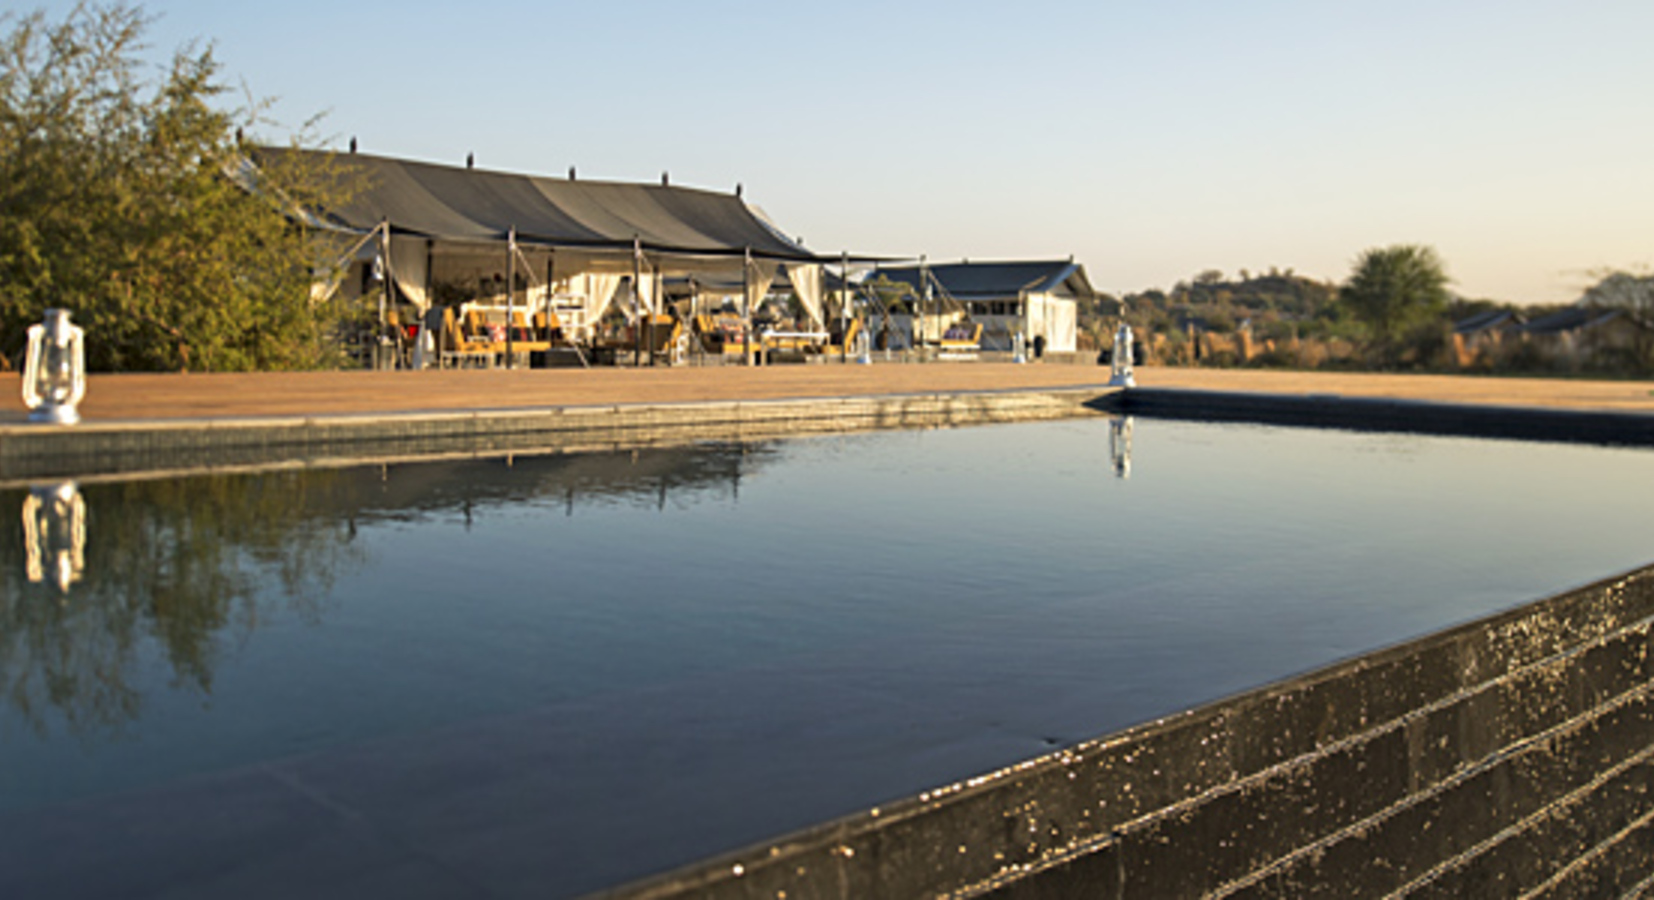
(1379, 413)
(238, 395)
(162, 447)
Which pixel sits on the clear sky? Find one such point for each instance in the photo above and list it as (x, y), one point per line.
(1151, 140)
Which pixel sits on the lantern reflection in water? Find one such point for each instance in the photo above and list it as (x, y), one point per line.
(1119, 445)
(54, 534)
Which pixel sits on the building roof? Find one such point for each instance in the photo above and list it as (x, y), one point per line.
(1000, 280)
(1571, 319)
(465, 204)
(1486, 321)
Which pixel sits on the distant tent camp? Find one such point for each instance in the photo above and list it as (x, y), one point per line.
(1579, 335)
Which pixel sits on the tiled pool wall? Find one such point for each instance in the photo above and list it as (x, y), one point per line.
(1508, 755)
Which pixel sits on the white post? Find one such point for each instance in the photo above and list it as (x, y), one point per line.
(1120, 359)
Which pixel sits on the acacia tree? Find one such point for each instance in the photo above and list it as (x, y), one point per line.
(1633, 296)
(1399, 293)
(136, 206)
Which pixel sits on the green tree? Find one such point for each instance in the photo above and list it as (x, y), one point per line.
(136, 206)
(1395, 290)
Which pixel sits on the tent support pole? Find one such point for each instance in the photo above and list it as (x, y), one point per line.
(924, 306)
(746, 306)
(844, 307)
(655, 297)
(344, 260)
(637, 297)
(430, 299)
(430, 302)
(510, 296)
(386, 277)
(698, 354)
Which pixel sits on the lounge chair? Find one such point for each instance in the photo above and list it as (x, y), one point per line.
(470, 342)
(846, 343)
(962, 340)
(525, 340)
(667, 335)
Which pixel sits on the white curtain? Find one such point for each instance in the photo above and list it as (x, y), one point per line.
(599, 293)
(409, 266)
(759, 276)
(806, 281)
(1064, 327)
(646, 292)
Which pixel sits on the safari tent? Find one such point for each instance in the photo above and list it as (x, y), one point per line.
(426, 234)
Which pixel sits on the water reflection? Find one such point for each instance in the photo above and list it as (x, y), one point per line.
(171, 568)
(54, 534)
(183, 572)
(1119, 445)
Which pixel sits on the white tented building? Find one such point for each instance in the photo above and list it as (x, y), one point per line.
(1036, 297)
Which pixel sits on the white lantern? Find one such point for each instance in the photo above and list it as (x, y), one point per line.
(54, 378)
(54, 534)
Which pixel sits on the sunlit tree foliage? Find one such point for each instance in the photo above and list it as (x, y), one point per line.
(132, 203)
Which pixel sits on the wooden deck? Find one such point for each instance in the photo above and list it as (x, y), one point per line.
(159, 397)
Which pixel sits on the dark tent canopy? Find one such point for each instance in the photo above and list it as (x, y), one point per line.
(461, 204)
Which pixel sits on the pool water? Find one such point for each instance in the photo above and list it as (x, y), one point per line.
(620, 663)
